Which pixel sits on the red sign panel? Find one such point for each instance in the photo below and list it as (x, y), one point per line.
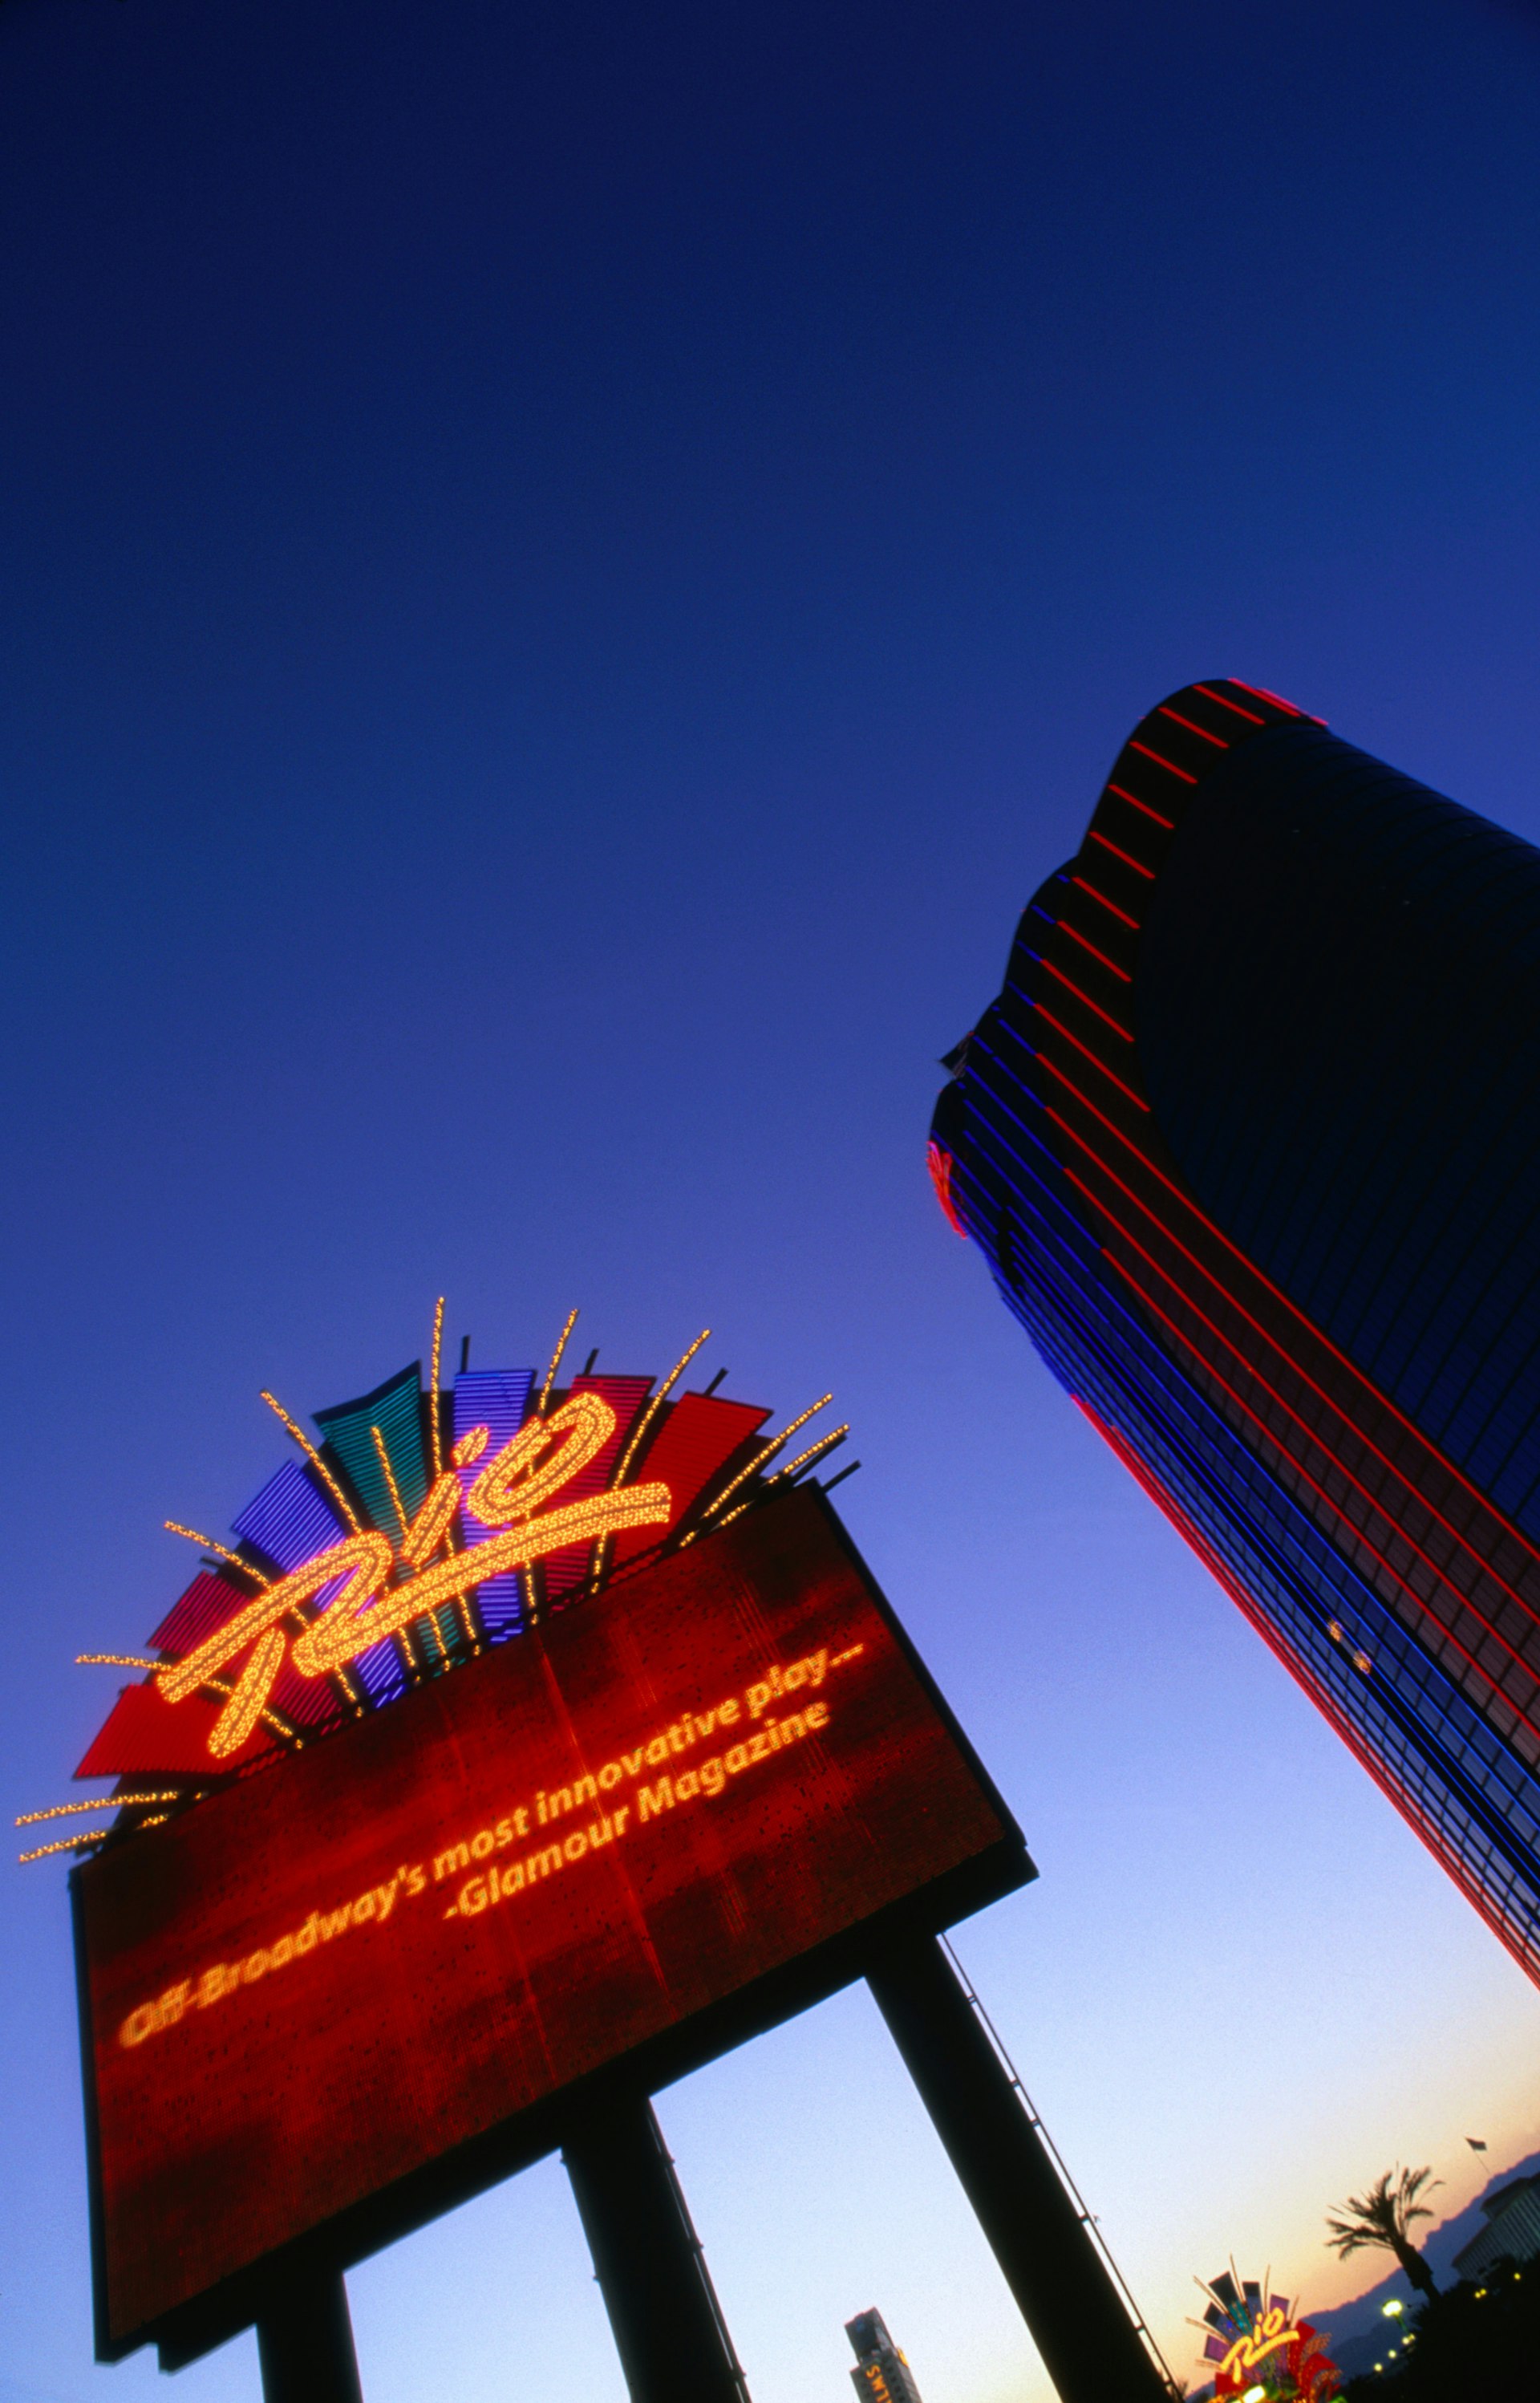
(333, 1972)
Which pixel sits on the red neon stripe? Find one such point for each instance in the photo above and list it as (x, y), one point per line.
(1147, 873)
(1227, 1581)
(1355, 1534)
(1305, 1378)
(1170, 824)
(1087, 999)
(1095, 1063)
(1076, 936)
(939, 1161)
(1308, 1324)
(1249, 714)
(1263, 694)
(1177, 718)
(1313, 1436)
(1106, 903)
(1175, 771)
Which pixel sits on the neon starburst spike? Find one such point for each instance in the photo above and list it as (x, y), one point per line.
(425, 1524)
(1255, 2349)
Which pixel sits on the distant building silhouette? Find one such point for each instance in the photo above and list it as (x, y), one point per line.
(1251, 1141)
(882, 2375)
(1512, 2231)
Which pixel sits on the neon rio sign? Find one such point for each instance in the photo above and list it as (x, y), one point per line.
(429, 1526)
(1273, 2330)
(378, 1588)
(1246, 2328)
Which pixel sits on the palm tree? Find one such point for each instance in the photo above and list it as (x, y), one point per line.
(1383, 2216)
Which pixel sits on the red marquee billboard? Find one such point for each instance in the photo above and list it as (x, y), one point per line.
(335, 1996)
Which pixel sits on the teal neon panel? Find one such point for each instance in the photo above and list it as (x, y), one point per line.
(396, 1408)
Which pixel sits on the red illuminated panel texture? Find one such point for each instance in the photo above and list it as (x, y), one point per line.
(208, 1602)
(624, 1396)
(206, 1605)
(145, 1735)
(321, 1979)
(695, 1442)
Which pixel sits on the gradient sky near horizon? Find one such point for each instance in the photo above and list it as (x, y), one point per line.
(567, 570)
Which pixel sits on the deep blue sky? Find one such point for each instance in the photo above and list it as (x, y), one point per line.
(566, 570)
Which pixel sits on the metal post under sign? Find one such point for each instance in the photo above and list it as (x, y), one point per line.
(668, 2329)
(304, 2343)
(1090, 2347)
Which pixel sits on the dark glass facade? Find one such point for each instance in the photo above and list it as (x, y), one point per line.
(1251, 1141)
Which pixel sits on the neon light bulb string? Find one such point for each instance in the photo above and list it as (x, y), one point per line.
(372, 1587)
(555, 1362)
(302, 1439)
(434, 1429)
(656, 1404)
(538, 1461)
(109, 1803)
(638, 1437)
(219, 1552)
(767, 1451)
(87, 1836)
(391, 1486)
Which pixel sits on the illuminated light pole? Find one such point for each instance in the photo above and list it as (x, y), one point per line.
(1395, 2310)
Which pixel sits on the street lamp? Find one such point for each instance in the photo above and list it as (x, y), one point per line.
(1395, 2310)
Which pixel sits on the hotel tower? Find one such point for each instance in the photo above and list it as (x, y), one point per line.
(1251, 1141)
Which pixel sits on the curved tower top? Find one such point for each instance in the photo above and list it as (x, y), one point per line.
(1250, 1140)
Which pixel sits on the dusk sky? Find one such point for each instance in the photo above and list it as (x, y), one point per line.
(567, 571)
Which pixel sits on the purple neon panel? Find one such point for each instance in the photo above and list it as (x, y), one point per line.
(381, 1672)
(498, 1399)
(290, 1521)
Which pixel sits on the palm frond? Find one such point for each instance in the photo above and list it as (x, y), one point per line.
(1382, 2215)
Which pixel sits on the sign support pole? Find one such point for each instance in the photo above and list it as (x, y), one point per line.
(304, 2343)
(668, 2329)
(1090, 2346)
